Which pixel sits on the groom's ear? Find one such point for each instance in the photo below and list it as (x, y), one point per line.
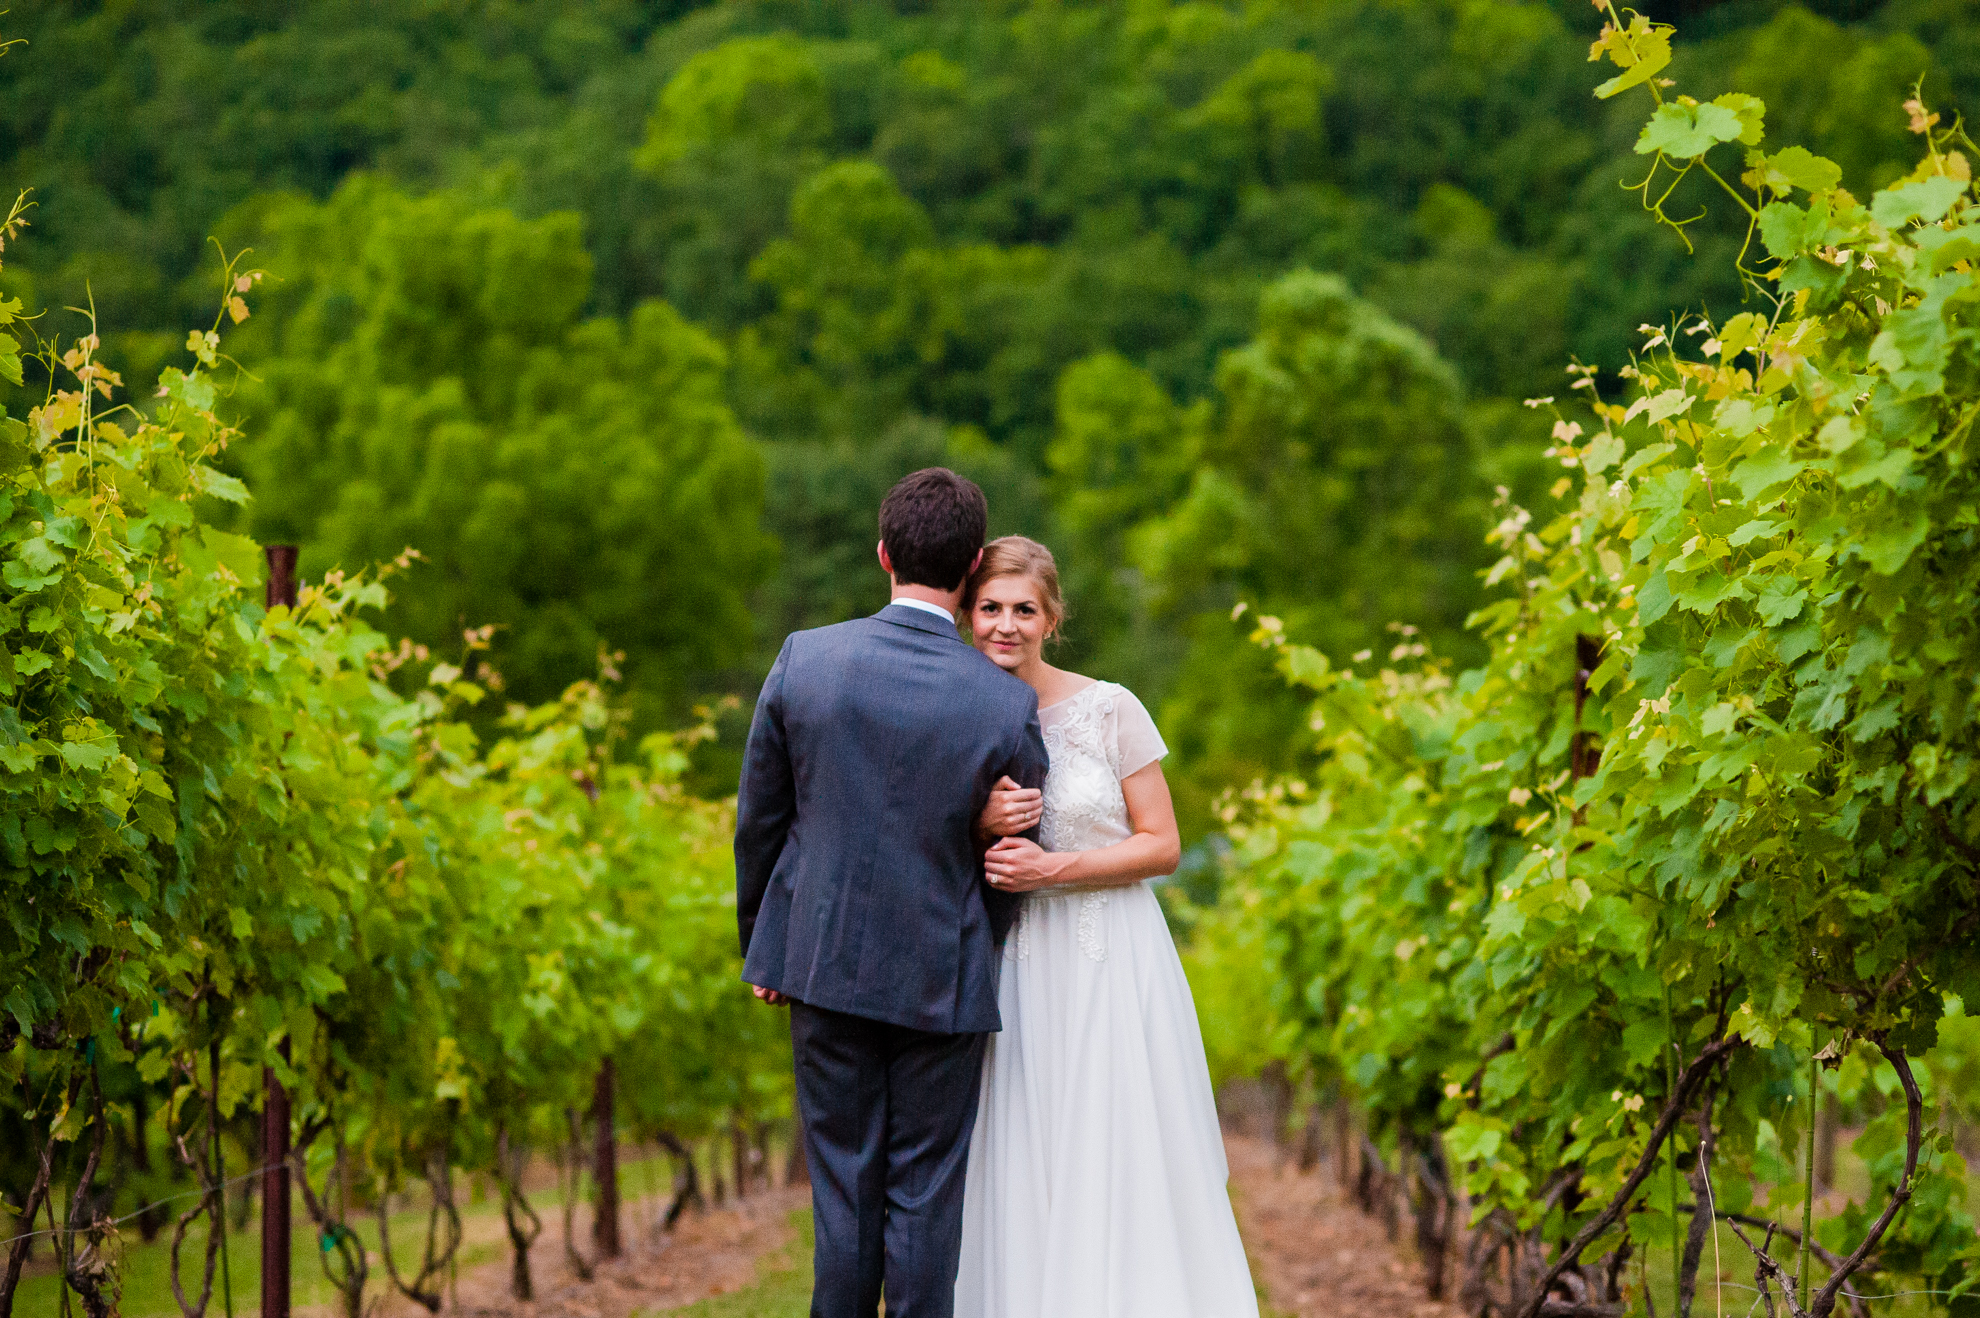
(974, 564)
(887, 563)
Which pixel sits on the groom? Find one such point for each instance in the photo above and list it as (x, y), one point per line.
(860, 893)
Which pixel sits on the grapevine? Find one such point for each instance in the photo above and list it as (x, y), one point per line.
(1708, 815)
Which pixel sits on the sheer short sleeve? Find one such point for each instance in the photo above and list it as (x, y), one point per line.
(1138, 743)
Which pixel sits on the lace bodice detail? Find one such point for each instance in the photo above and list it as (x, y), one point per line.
(1095, 737)
(1084, 808)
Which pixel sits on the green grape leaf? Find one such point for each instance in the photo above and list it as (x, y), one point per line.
(1604, 451)
(22, 576)
(1927, 200)
(1793, 167)
(1469, 1141)
(1764, 471)
(1752, 112)
(1913, 348)
(1945, 248)
(1789, 230)
(218, 484)
(1306, 665)
(1642, 51)
(15, 451)
(1685, 132)
(1824, 281)
(195, 391)
(1780, 600)
(1887, 547)
(1751, 531)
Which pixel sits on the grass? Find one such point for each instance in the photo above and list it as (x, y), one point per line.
(145, 1269)
(147, 1277)
(783, 1285)
(782, 1288)
(1738, 1296)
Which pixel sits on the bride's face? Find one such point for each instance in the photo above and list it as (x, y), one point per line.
(1009, 621)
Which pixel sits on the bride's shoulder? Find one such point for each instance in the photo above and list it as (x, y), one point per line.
(1121, 705)
(1100, 686)
(1079, 686)
(1097, 693)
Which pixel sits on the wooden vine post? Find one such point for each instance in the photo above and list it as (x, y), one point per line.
(605, 1163)
(281, 590)
(1585, 751)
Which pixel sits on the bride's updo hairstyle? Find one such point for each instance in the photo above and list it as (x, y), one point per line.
(1019, 556)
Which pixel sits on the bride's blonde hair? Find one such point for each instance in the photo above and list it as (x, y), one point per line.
(1019, 556)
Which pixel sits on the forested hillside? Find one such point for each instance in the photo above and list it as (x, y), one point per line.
(1526, 455)
(1223, 300)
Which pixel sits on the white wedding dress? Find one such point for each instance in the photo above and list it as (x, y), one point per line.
(1096, 1182)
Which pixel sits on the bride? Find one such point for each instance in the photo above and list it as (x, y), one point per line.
(1096, 1174)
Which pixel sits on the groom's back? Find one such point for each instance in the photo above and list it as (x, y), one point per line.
(875, 746)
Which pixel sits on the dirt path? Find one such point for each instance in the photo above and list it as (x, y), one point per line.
(1314, 1255)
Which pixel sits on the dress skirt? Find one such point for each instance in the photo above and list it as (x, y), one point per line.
(1096, 1182)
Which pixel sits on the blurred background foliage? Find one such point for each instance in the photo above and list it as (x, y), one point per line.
(625, 314)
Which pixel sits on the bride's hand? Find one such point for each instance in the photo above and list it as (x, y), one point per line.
(1011, 809)
(1019, 865)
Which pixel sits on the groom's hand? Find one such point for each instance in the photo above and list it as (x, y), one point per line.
(771, 996)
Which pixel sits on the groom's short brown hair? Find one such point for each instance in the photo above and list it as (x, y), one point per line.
(933, 523)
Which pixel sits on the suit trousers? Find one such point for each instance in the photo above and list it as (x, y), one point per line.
(888, 1113)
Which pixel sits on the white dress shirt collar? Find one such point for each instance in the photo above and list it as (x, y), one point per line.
(926, 607)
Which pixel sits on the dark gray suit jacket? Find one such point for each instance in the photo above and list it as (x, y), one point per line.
(859, 886)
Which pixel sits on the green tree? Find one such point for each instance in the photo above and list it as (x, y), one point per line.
(736, 128)
(1834, 87)
(1326, 487)
(874, 318)
(426, 379)
(1122, 454)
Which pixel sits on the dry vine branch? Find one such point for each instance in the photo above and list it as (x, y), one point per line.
(335, 1235)
(509, 1159)
(1580, 1309)
(1433, 1205)
(687, 1180)
(1823, 1303)
(570, 1179)
(433, 1262)
(90, 1273)
(1914, 1135)
(1618, 1261)
(1674, 1110)
(1760, 1272)
(1489, 1240)
(212, 1201)
(1828, 1258)
(44, 1171)
(1765, 1268)
(1701, 1213)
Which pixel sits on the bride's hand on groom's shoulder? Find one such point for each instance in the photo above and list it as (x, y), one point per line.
(1011, 810)
(1019, 865)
